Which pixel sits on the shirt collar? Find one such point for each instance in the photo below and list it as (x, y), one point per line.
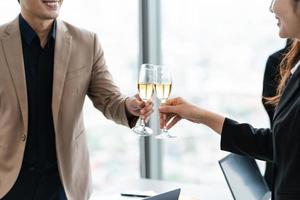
(295, 67)
(29, 34)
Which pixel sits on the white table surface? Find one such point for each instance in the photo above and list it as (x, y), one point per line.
(188, 191)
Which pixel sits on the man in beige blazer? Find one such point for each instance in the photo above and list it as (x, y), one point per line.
(47, 67)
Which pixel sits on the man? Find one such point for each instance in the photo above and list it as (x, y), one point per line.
(47, 67)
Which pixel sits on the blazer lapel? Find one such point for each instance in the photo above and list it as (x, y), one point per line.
(63, 45)
(12, 45)
(290, 90)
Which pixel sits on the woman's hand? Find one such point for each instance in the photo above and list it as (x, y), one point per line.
(176, 109)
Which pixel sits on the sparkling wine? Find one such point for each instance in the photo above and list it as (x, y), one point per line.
(145, 90)
(163, 91)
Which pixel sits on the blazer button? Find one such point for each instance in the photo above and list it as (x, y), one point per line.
(23, 137)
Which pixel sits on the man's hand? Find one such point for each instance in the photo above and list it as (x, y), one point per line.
(136, 107)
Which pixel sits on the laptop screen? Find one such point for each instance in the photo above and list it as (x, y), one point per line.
(172, 195)
(244, 178)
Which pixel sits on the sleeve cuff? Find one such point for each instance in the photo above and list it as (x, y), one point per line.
(227, 134)
(131, 119)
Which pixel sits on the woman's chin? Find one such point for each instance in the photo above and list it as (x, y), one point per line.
(283, 34)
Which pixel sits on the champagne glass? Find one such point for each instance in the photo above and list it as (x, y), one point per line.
(163, 87)
(146, 82)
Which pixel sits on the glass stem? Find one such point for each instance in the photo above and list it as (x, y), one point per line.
(143, 124)
(165, 130)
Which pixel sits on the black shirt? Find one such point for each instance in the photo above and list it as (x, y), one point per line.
(40, 150)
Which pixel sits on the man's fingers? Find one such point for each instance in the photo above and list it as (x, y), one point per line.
(140, 104)
(137, 96)
(149, 102)
(147, 114)
(146, 109)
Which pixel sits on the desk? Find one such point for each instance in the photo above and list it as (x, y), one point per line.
(188, 191)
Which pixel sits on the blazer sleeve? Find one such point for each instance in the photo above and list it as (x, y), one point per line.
(245, 140)
(103, 92)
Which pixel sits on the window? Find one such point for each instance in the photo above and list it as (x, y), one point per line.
(217, 50)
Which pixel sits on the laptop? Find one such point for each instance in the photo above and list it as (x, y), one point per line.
(171, 195)
(244, 178)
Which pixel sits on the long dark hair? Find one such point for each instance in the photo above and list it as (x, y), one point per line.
(289, 60)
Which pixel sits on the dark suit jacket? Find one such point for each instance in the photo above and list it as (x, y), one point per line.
(270, 83)
(271, 76)
(280, 145)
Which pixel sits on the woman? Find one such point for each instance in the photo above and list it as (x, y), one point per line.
(281, 144)
(270, 84)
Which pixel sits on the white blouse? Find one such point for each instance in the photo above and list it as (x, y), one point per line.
(295, 67)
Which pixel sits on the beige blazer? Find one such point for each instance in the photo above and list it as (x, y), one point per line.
(79, 70)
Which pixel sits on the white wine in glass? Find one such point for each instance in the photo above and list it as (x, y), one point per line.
(146, 90)
(145, 84)
(163, 91)
(163, 87)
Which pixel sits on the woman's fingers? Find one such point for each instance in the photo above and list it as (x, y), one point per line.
(168, 109)
(173, 121)
(165, 118)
